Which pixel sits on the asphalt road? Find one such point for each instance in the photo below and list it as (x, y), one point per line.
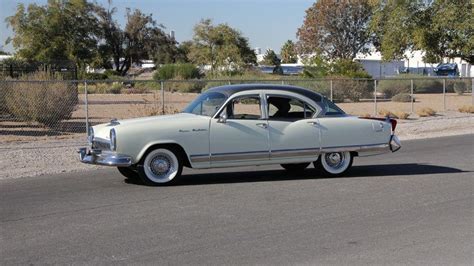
(411, 207)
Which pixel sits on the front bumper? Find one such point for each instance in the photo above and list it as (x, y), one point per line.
(104, 158)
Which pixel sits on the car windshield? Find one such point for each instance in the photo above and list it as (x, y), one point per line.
(206, 104)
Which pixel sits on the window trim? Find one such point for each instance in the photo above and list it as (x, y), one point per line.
(267, 95)
(231, 99)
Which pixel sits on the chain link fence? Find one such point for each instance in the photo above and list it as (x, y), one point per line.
(37, 110)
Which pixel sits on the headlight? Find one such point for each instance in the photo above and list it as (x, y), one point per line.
(90, 135)
(113, 140)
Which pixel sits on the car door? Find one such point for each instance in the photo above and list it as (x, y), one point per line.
(239, 133)
(294, 133)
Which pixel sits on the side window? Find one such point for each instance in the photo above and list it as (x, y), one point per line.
(331, 109)
(288, 109)
(245, 107)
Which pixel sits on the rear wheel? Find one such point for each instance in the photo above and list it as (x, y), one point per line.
(295, 167)
(334, 163)
(161, 166)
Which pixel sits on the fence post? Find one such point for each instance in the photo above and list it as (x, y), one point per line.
(375, 97)
(162, 85)
(330, 89)
(229, 82)
(87, 107)
(472, 91)
(282, 82)
(444, 95)
(411, 96)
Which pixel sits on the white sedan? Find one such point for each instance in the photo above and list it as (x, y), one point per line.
(240, 125)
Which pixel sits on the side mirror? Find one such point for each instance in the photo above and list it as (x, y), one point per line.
(222, 118)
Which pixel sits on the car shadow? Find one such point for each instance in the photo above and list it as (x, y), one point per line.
(408, 169)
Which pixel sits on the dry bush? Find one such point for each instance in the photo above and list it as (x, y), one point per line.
(467, 109)
(353, 90)
(460, 87)
(46, 102)
(402, 98)
(425, 112)
(386, 113)
(401, 115)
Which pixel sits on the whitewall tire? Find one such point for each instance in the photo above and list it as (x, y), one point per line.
(334, 163)
(161, 166)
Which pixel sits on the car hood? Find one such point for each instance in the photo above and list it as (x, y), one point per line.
(103, 130)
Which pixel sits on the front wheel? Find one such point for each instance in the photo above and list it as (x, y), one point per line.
(161, 166)
(334, 163)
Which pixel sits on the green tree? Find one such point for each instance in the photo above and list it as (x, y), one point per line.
(142, 38)
(393, 25)
(288, 52)
(271, 59)
(442, 29)
(336, 29)
(448, 31)
(220, 46)
(59, 30)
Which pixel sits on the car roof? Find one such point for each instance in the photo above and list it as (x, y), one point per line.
(228, 90)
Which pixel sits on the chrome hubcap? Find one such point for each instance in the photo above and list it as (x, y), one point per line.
(335, 160)
(160, 165)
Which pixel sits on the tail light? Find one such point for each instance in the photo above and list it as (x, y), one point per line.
(393, 122)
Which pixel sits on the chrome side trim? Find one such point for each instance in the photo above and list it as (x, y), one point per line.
(240, 156)
(369, 147)
(394, 145)
(295, 153)
(200, 158)
(104, 158)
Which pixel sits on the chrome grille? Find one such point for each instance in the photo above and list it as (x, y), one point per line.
(100, 145)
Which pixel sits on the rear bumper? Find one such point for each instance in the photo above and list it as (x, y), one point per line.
(104, 158)
(394, 143)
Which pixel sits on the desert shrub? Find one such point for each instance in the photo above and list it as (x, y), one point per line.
(136, 90)
(459, 87)
(183, 86)
(44, 102)
(467, 109)
(393, 87)
(177, 71)
(429, 85)
(386, 113)
(402, 97)
(401, 115)
(94, 76)
(353, 90)
(3, 93)
(114, 88)
(426, 111)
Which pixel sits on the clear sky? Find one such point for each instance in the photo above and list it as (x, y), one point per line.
(266, 23)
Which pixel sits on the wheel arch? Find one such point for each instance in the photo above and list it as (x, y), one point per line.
(165, 144)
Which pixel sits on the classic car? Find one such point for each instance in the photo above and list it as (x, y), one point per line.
(240, 125)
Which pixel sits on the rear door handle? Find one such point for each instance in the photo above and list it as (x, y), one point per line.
(264, 125)
(312, 122)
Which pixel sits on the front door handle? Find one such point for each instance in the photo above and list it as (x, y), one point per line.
(312, 122)
(264, 125)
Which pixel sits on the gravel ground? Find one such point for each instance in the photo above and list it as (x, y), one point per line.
(22, 159)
